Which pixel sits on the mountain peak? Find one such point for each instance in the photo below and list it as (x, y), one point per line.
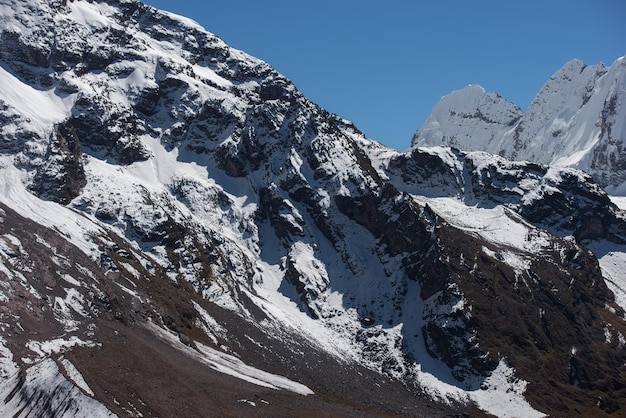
(479, 115)
(574, 120)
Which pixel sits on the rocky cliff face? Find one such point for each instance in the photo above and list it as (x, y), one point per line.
(576, 120)
(176, 212)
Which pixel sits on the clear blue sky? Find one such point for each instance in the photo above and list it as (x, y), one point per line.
(385, 64)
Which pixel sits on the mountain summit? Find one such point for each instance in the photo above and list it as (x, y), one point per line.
(182, 232)
(576, 120)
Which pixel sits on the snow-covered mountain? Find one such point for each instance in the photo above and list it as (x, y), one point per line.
(576, 120)
(184, 233)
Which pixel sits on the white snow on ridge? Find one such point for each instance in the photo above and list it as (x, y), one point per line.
(497, 225)
(91, 15)
(620, 201)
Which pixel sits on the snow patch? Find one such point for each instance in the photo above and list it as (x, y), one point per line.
(210, 326)
(502, 393)
(44, 391)
(612, 258)
(232, 366)
(497, 225)
(41, 108)
(58, 345)
(620, 201)
(75, 376)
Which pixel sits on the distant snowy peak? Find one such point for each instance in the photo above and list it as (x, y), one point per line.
(468, 116)
(568, 90)
(576, 119)
(552, 112)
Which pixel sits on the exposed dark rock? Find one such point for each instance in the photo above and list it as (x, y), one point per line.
(62, 178)
(112, 136)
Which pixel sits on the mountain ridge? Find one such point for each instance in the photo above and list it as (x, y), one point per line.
(168, 195)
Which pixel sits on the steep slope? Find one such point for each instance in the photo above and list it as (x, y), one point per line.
(484, 195)
(170, 198)
(576, 120)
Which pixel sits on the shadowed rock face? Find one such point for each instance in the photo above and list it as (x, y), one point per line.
(189, 196)
(63, 176)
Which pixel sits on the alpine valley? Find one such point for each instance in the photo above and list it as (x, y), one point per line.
(183, 233)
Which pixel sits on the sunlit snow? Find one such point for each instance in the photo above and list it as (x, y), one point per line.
(230, 365)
